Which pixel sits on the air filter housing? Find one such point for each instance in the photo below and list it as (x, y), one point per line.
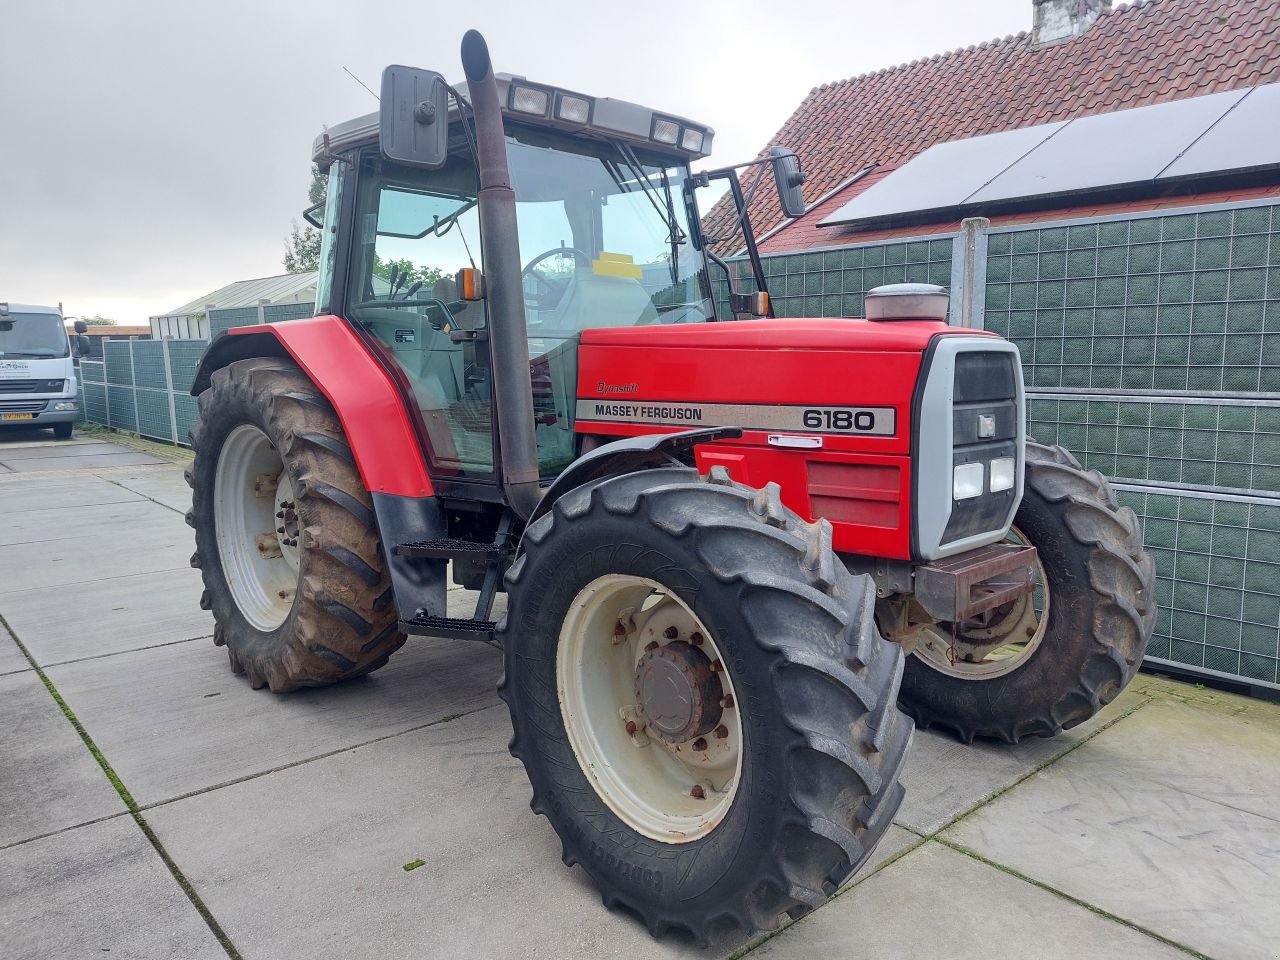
(908, 301)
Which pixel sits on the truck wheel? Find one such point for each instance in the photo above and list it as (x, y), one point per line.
(286, 539)
(62, 431)
(1051, 660)
(701, 699)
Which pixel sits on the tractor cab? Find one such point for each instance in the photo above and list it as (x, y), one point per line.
(607, 233)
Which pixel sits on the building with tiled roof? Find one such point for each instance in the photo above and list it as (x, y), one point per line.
(1119, 171)
(1103, 60)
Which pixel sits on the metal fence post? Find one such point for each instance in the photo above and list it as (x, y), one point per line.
(168, 383)
(969, 273)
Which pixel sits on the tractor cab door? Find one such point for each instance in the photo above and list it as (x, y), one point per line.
(413, 232)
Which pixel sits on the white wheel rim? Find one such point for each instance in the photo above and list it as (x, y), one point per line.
(252, 501)
(649, 783)
(1000, 648)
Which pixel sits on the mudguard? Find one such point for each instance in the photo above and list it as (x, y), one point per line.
(363, 393)
(628, 455)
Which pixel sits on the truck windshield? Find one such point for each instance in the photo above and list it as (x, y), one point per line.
(33, 335)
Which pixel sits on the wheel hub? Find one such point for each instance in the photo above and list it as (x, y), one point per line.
(678, 692)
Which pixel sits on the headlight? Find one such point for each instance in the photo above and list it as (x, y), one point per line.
(62, 405)
(665, 131)
(529, 100)
(574, 109)
(691, 140)
(1002, 474)
(966, 482)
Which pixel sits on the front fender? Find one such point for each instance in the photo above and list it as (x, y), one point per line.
(365, 397)
(627, 456)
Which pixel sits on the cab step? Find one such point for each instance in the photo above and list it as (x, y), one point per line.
(448, 548)
(425, 625)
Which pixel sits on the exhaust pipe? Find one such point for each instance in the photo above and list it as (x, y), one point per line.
(500, 253)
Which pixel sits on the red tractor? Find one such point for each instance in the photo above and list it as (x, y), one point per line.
(725, 545)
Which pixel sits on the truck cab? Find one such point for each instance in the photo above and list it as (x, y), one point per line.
(37, 370)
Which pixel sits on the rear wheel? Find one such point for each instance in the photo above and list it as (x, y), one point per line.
(701, 700)
(1054, 658)
(286, 539)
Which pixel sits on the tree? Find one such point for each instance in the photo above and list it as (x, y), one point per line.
(98, 321)
(302, 246)
(406, 274)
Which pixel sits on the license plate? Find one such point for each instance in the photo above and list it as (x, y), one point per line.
(17, 416)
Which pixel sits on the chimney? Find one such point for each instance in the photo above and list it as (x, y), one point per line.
(1056, 20)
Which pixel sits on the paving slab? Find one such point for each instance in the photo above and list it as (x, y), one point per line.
(11, 658)
(162, 484)
(944, 777)
(48, 778)
(1168, 819)
(19, 494)
(127, 458)
(59, 523)
(936, 903)
(61, 623)
(96, 891)
(87, 450)
(174, 719)
(145, 547)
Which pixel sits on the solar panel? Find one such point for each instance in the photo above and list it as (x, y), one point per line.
(944, 175)
(1109, 149)
(1247, 137)
(1220, 133)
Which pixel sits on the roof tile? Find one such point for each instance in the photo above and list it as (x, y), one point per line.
(1143, 53)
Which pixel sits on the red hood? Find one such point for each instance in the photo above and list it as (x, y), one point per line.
(829, 333)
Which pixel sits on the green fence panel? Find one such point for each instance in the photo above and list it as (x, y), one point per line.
(92, 371)
(184, 406)
(118, 360)
(154, 419)
(121, 410)
(222, 320)
(148, 364)
(94, 408)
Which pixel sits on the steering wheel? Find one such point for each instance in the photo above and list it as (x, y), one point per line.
(556, 289)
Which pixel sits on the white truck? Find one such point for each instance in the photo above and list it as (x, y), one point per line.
(37, 368)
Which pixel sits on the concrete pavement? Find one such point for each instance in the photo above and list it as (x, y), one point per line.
(211, 820)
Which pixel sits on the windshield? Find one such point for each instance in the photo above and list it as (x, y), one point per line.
(605, 241)
(33, 335)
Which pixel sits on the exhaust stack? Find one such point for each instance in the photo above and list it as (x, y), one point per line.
(500, 252)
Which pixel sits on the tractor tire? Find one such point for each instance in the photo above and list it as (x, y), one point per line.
(801, 684)
(1100, 587)
(315, 606)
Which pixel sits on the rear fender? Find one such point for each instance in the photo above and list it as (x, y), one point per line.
(366, 398)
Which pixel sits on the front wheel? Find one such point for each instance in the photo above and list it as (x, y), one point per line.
(62, 431)
(701, 700)
(1053, 658)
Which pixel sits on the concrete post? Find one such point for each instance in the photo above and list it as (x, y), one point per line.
(969, 274)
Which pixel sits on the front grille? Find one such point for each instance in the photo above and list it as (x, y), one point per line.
(22, 406)
(985, 385)
(32, 386)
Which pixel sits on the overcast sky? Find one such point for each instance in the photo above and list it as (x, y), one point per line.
(152, 151)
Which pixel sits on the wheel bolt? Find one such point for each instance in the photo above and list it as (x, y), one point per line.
(700, 744)
(279, 529)
(619, 629)
(721, 732)
(651, 645)
(671, 633)
(727, 701)
(716, 666)
(631, 727)
(279, 514)
(696, 639)
(1031, 631)
(697, 792)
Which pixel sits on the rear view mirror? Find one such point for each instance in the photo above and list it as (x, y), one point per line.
(413, 120)
(83, 347)
(81, 327)
(788, 177)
